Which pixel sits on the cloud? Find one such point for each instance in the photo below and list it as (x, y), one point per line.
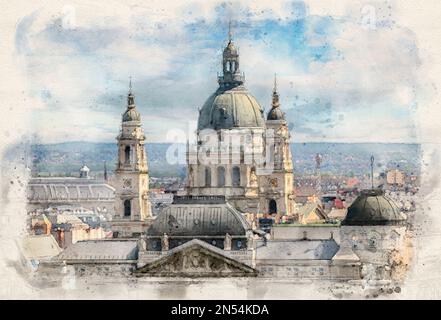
(333, 72)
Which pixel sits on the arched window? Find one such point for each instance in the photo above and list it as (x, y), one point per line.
(233, 66)
(127, 208)
(220, 176)
(272, 206)
(236, 177)
(127, 154)
(207, 177)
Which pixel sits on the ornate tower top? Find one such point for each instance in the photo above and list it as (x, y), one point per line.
(131, 114)
(231, 75)
(275, 113)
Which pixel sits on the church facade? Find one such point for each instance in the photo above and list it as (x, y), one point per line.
(238, 154)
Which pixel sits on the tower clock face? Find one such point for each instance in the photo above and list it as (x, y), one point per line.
(127, 183)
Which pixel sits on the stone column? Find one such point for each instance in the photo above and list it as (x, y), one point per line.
(227, 242)
(213, 169)
(200, 176)
(228, 173)
(250, 241)
(244, 175)
(164, 242)
(142, 244)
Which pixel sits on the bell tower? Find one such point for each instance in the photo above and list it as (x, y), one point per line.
(132, 205)
(278, 195)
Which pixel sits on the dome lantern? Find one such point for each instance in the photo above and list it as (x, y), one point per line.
(231, 76)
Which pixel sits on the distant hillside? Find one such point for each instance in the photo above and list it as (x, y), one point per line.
(69, 156)
(338, 158)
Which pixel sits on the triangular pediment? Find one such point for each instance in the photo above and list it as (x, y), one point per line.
(196, 259)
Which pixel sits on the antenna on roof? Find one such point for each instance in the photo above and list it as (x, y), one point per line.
(318, 163)
(105, 170)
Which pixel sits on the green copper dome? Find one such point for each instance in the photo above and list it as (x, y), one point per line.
(131, 114)
(372, 208)
(276, 114)
(231, 108)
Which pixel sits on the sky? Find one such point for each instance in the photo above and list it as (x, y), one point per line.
(351, 76)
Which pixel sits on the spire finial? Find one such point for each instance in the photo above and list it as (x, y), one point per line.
(230, 33)
(130, 96)
(372, 171)
(275, 102)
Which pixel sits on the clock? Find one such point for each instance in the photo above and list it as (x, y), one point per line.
(127, 183)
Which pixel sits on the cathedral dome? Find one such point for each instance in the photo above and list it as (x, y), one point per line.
(199, 216)
(371, 208)
(231, 108)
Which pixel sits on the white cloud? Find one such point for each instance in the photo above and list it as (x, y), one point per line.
(377, 68)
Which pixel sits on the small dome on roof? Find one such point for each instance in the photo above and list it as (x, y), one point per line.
(230, 49)
(372, 207)
(131, 114)
(84, 171)
(276, 114)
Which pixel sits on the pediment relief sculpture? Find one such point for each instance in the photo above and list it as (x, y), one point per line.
(196, 261)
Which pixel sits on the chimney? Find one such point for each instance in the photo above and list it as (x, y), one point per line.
(60, 237)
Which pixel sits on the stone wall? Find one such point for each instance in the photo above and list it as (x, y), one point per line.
(97, 268)
(307, 269)
(296, 232)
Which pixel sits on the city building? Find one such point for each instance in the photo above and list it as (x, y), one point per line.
(374, 230)
(238, 154)
(40, 224)
(37, 249)
(311, 212)
(84, 191)
(396, 177)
